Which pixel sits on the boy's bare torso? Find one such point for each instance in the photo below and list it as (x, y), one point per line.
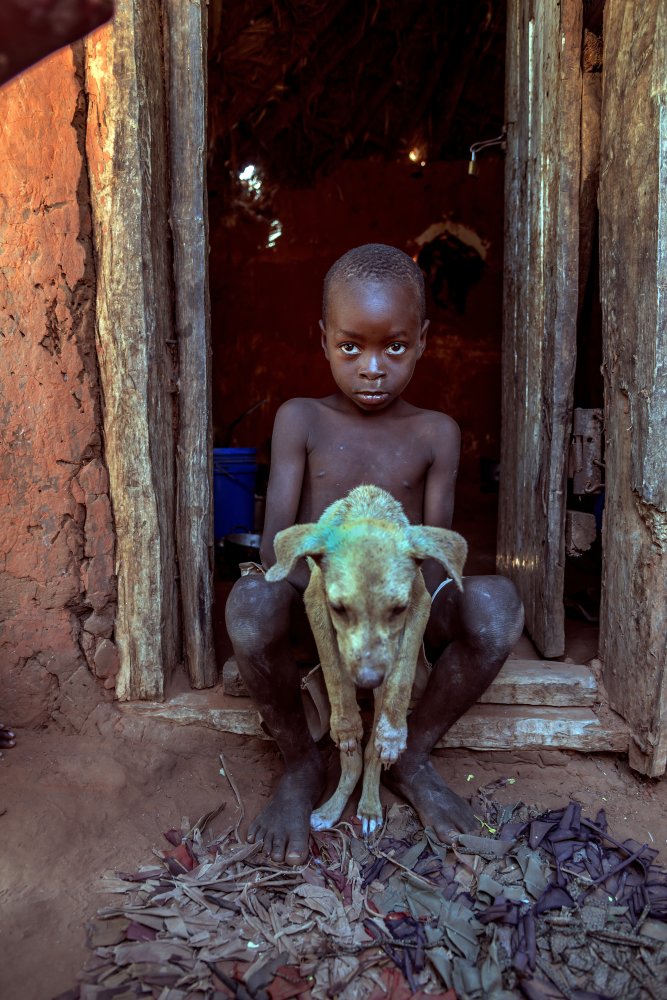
(343, 451)
(334, 447)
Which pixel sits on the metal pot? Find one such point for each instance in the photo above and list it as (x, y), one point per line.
(242, 547)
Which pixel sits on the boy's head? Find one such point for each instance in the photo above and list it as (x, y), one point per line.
(373, 326)
(378, 263)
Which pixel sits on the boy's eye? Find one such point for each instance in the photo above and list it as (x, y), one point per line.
(348, 349)
(396, 348)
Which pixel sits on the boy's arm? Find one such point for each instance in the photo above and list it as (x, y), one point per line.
(440, 487)
(288, 463)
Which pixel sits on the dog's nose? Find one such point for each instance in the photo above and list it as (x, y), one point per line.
(369, 678)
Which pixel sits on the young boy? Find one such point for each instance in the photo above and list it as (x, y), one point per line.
(373, 333)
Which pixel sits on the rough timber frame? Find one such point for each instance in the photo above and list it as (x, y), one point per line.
(543, 102)
(633, 275)
(146, 154)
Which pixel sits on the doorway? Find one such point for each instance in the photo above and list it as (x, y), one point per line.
(356, 127)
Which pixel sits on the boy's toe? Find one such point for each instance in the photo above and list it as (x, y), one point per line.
(297, 854)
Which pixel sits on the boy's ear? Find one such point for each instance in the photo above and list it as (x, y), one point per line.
(446, 546)
(324, 339)
(422, 336)
(290, 545)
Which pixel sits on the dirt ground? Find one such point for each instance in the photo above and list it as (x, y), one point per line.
(77, 806)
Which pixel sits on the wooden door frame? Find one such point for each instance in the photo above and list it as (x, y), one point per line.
(146, 150)
(633, 276)
(633, 266)
(543, 100)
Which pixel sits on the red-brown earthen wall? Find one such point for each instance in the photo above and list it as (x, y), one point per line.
(57, 584)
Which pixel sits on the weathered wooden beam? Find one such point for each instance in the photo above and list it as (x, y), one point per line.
(185, 42)
(484, 727)
(501, 727)
(543, 105)
(633, 274)
(128, 173)
(542, 682)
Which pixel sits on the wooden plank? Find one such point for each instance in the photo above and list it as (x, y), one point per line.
(484, 727)
(501, 727)
(540, 682)
(128, 173)
(633, 274)
(185, 41)
(543, 103)
(183, 711)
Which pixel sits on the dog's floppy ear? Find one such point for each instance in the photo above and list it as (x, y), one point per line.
(291, 544)
(447, 547)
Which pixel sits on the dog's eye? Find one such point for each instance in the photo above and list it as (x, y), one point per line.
(338, 609)
(398, 609)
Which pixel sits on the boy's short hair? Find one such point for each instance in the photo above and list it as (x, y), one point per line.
(375, 262)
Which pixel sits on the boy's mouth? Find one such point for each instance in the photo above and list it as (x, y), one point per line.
(372, 396)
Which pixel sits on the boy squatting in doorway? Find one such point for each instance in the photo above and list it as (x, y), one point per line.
(373, 333)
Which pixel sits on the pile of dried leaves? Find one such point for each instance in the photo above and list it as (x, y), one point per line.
(546, 907)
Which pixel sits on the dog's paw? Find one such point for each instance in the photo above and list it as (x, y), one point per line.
(323, 819)
(390, 741)
(347, 737)
(371, 819)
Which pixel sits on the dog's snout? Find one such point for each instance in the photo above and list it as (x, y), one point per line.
(369, 677)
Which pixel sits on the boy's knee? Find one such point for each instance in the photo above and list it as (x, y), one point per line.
(492, 614)
(257, 614)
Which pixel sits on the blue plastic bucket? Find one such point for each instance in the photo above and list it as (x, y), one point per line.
(234, 474)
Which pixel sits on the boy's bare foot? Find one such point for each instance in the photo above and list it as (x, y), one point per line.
(416, 780)
(284, 826)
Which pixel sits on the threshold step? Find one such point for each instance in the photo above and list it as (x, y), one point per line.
(509, 727)
(484, 727)
(542, 682)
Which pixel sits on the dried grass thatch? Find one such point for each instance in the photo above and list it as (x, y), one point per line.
(299, 84)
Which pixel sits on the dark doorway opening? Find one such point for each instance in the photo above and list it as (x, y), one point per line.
(338, 124)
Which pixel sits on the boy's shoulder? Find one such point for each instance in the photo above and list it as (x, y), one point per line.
(432, 420)
(304, 408)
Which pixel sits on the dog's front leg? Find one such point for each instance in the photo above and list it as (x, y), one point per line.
(327, 815)
(346, 726)
(390, 730)
(369, 810)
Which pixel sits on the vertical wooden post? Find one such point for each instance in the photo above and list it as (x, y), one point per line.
(128, 170)
(633, 274)
(185, 43)
(543, 108)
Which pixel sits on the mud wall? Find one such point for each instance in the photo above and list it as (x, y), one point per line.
(266, 299)
(57, 584)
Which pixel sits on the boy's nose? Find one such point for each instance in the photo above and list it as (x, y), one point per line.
(372, 367)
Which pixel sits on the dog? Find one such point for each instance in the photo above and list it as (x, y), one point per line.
(368, 607)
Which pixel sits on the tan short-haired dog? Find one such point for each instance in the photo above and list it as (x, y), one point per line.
(368, 607)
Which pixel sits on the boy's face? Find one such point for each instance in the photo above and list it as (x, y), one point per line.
(373, 339)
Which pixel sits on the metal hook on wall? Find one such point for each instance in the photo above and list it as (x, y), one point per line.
(477, 147)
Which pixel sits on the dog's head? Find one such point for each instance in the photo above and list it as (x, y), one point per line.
(369, 572)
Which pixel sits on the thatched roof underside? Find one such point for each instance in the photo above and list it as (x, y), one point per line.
(299, 85)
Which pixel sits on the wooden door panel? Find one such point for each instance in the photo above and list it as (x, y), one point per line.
(543, 110)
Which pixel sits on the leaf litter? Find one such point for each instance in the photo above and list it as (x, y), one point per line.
(549, 906)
